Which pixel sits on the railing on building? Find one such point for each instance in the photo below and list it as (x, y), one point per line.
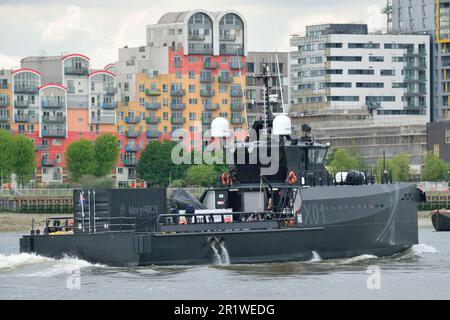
(21, 118)
(153, 92)
(4, 117)
(52, 119)
(177, 120)
(129, 162)
(109, 105)
(177, 106)
(48, 163)
(102, 119)
(210, 65)
(237, 120)
(177, 92)
(21, 104)
(211, 106)
(225, 78)
(4, 102)
(206, 92)
(151, 134)
(206, 78)
(54, 133)
(32, 89)
(236, 93)
(132, 120)
(76, 71)
(132, 134)
(132, 148)
(153, 120)
(153, 106)
(53, 103)
(111, 91)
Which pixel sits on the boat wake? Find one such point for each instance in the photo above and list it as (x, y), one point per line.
(11, 263)
(315, 257)
(420, 249)
(359, 259)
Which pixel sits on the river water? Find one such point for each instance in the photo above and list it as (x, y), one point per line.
(423, 272)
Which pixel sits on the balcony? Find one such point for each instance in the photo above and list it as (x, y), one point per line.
(132, 134)
(238, 93)
(54, 119)
(21, 104)
(225, 78)
(152, 92)
(54, 133)
(21, 118)
(26, 89)
(177, 106)
(42, 147)
(177, 64)
(207, 92)
(152, 134)
(153, 106)
(211, 106)
(103, 119)
(110, 91)
(207, 118)
(177, 92)
(4, 103)
(53, 103)
(109, 105)
(231, 50)
(4, 118)
(48, 163)
(237, 106)
(177, 120)
(153, 120)
(236, 120)
(210, 65)
(132, 120)
(236, 64)
(132, 148)
(196, 37)
(129, 162)
(76, 71)
(227, 37)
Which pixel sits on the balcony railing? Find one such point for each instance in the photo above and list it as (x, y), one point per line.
(48, 163)
(225, 78)
(42, 147)
(132, 119)
(53, 103)
(109, 105)
(227, 37)
(54, 133)
(177, 106)
(207, 119)
(206, 92)
(103, 119)
(111, 91)
(211, 106)
(132, 134)
(210, 65)
(153, 106)
(237, 106)
(175, 92)
(153, 134)
(21, 118)
(177, 120)
(196, 37)
(4, 118)
(54, 119)
(76, 71)
(26, 89)
(4, 103)
(231, 50)
(177, 64)
(132, 148)
(236, 93)
(236, 64)
(206, 78)
(153, 120)
(129, 162)
(237, 120)
(152, 92)
(21, 104)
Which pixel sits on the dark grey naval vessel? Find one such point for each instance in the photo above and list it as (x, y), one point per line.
(249, 216)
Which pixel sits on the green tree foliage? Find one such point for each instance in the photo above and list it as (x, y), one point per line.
(201, 175)
(88, 181)
(342, 160)
(155, 164)
(6, 155)
(397, 167)
(355, 153)
(106, 154)
(80, 159)
(435, 169)
(24, 158)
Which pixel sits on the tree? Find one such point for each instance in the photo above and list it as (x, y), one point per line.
(435, 169)
(80, 159)
(24, 158)
(356, 153)
(155, 164)
(397, 167)
(6, 156)
(343, 161)
(106, 154)
(201, 175)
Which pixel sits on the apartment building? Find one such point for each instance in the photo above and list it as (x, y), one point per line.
(255, 88)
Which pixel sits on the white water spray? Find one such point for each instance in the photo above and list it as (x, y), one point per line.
(225, 256)
(315, 257)
(217, 257)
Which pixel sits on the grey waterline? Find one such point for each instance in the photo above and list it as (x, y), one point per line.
(421, 273)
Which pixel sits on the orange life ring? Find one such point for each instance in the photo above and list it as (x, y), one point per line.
(292, 178)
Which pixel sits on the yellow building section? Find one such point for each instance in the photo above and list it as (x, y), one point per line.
(6, 107)
(438, 24)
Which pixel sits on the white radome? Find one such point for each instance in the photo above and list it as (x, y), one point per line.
(220, 128)
(282, 125)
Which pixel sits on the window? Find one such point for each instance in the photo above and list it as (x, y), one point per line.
(376, 59)
(361, 71)
(447, 136)
(364, 45)
(370, 85)
(250, 67)
(192, 116)
(191, 74)
(344, 98)
(387, 72)
(344, 58)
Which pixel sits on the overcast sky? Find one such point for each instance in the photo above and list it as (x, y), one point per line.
(98, 27)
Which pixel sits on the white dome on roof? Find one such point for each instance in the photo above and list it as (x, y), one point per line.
(220, 128)
(282, 125)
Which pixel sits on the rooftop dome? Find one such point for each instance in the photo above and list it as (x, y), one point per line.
(173, 17)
